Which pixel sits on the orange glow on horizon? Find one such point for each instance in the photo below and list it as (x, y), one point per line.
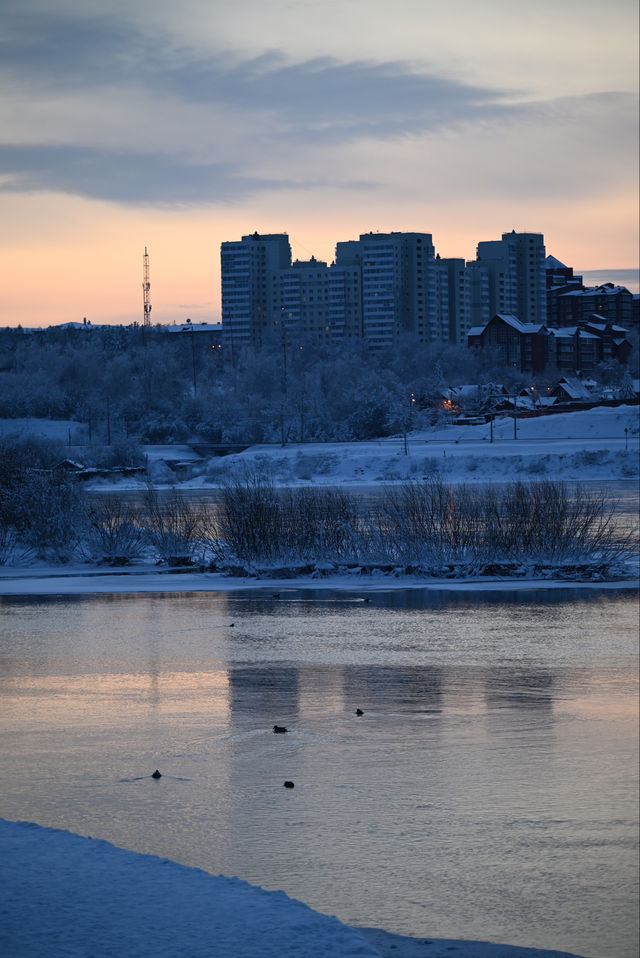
(71, 258)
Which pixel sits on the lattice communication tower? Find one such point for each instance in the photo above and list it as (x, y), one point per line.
(146, 289)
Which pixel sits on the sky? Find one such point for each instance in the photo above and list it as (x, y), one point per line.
(126, 125)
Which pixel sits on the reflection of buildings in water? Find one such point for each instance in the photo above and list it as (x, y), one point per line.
(269, 691)
(273, 694)
(320, 690)
(517, 688)
(416, 689)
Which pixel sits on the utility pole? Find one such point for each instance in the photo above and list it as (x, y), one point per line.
(146, 289)
(193, 358)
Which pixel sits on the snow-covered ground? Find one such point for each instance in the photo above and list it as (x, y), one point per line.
(597, 444)
(65, 895)
(82, 580)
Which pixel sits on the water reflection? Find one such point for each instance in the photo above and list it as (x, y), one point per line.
(267, 691)
(411, 689)
(489, 790)
(513, 688)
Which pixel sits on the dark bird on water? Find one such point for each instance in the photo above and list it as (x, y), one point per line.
(157, 774)
(359, 712)
(289, 785)
(276, 595)
(279, 729)
(232, 625)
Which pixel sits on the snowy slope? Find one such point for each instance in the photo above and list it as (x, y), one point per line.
(64, 895)
(598, 444)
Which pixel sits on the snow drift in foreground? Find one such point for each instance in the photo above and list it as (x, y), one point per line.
(73, 896)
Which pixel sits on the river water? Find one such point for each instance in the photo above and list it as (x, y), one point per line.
(489, 791)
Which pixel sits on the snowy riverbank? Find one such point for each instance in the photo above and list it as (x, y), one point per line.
(52, 580)
(599, 444)
(597, 449)
(68, 895)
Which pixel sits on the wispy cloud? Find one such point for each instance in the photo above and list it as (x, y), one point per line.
(138, 178)
(57, 52)
(220, 127)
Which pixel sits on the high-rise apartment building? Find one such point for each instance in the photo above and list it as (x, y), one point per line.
(468, 296)
(345, 292)
(401, 289)
(250, 277)
(517, 275)
(304, 299)
(499, 259)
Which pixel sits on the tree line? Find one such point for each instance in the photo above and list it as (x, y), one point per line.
(129, 382)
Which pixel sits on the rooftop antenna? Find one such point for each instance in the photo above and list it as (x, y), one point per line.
(146, 289)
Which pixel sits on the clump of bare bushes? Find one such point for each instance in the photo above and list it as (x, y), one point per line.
(477, 529)
(114, 530)
(39, 507)
(258, 522)
(174, 526)
(427, 526)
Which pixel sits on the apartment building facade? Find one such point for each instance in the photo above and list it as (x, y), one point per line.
(517, 275)
(250, 278)
(468, 296)
(304, 300)
(379, 287)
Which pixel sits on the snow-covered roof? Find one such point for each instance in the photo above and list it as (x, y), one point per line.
(566, 285)
(73, 325)
(552, 263)
(573, 387)
(473, 390)
(568, 332)
(465, 390)
(607, 289)
(195, 327)
(69, 464)
(521, 327)
(594, 324)
(475, 331)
